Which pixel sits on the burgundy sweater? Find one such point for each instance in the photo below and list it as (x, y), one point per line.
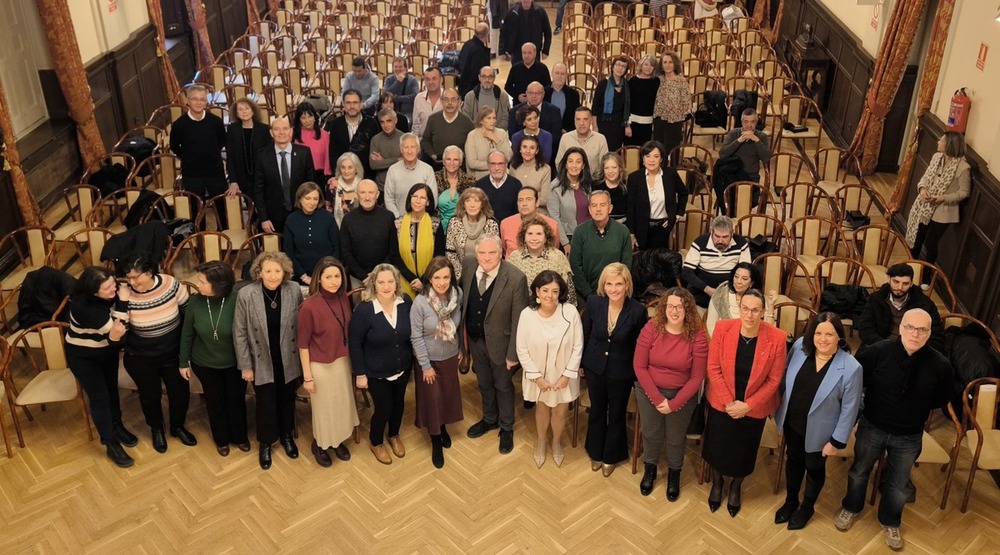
(667, 361)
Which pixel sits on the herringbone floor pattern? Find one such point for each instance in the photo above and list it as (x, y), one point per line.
(60, 495)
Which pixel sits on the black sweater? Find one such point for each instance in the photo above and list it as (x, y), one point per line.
(309, 238)
(239, 158)
(377, 349)
(875, 322)
(521, 76)
(368, 238)
(902, 389)
(199, 145)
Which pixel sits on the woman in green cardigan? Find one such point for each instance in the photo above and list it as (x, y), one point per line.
(207, 349)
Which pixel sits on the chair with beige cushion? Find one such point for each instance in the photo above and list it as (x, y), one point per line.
(978, 427)
(33, 247)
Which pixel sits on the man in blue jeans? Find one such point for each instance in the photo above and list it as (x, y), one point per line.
(904, 380)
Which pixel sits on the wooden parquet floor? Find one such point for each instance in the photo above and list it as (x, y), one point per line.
(61, 495)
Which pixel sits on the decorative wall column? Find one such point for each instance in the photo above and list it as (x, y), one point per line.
(170, 84)
(12, 163)
(199, 33)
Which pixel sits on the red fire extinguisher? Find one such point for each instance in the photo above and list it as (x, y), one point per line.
(958, 114)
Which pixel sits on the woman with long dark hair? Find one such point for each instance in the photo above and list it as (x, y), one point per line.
(569, 197)
(421, 237)
(326, 368)
(673, 102)
(612, 100)
(307, 131)
(435, 321)
(532, 170)
(93, 341)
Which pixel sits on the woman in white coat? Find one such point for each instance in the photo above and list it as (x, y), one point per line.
(549, 348)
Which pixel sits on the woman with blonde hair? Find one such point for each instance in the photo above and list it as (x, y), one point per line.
(611, 326)
(264, 334)
(326, 368)
(483, 140)
(473, 219)
(382, 356)
(670, 359)
(642, 89)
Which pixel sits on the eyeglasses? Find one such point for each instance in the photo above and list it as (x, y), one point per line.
(908, 328)
(675, 307)
(754, 311)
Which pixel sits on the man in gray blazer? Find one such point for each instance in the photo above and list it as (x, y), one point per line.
(495, 294)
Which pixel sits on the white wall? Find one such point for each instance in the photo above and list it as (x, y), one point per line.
(859, 20)
(102, 25)
(972, 24)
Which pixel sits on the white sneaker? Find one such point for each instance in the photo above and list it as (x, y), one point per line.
(844, 520)
(893, 538)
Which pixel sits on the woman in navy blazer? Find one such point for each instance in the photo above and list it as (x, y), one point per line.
(611, 326)
(648, 229)
(382, 356)
(819, 405)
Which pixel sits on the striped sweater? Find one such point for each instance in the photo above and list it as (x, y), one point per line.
(155, 317)
(704, 265)
(90, 321)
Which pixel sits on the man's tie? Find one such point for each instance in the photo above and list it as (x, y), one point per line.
(482, 282)
(285, 179)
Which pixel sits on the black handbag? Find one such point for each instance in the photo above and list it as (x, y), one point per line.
(856, 219)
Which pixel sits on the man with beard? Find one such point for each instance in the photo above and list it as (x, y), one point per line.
(884, 309)
(352, 131)
(711, 258)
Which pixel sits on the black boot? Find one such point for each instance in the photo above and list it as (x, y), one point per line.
(159, 440)
(437, 451)
(118, 455)
(786, 511)
(801, 516)
(445, 438)
(673, 484)
(648, 478)
(124, 436)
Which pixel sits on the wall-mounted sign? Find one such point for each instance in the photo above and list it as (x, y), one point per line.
(981, 60)
(112, 6)
(876, 12)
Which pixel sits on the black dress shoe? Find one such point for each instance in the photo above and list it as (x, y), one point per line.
(801, 517)
(290, 448)
(506, 441)
(159, 440)
(118, 455)
(124, 436)
(342, 452)
(322, 457)
(265, 457)
(186, 437)
(785, 512)
(715, 497)
(245, 447)
(733, 509)
(480, 429)
(648, 479)
(673, 484)
(445, 438)
(223, 450)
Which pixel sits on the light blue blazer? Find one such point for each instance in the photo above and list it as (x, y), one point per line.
(835, 408)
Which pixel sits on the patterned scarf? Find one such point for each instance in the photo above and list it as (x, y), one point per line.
(444, 309)
(939, 175)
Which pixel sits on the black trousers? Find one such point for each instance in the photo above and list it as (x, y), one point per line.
(800, 464)
(607, 440)
(388, 400)
(97, 372)
(658, 236)
(670, 134)
(225, 399)
(275, 407)
(207, 188)
(148, 372)
(928, 235)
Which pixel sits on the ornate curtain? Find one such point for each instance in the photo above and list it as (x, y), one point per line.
(65, 53)
(928, 84)
(762, 14)
(272, 6)
(12, 163)
(166, 67)
(776, 30)
(894, 52)
(199, 33)
(253, 15)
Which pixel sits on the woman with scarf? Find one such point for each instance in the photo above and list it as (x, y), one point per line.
(326, 368)
(451, 181)
(344, 186)
(944, 185)
(434, 321)
(611, 105)
(473, 219)
(421, 237)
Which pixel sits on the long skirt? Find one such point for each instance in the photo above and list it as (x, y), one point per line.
(334, 413)
(439, 403)
(731, 444)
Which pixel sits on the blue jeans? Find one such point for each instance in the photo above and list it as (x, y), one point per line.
(559, 12)
(901, 452)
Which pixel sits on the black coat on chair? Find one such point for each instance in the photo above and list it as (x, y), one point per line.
(268, 199)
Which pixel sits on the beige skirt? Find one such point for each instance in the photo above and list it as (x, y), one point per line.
(334, 413)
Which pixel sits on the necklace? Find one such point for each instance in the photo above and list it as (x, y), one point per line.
(274, 301)
(340, 321)
(747, 340)
(215, 323)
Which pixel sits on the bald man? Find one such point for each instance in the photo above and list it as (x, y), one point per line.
(566, 99)
(474, 55)
(486, 93)
(368, 235)
(279, 170)
(445, 128)
(528, 70)
(904, 379)
(550, 121)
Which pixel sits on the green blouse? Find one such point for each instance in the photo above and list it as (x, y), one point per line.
(207, 335)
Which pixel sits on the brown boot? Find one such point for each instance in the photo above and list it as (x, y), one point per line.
(397, 446)
(381, 454)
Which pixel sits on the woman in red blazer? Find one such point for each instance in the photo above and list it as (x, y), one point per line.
(746, 362)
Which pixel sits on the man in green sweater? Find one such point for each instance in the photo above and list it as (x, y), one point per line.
(597, 243)
(445, 128)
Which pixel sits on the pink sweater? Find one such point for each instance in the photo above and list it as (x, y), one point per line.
(320, 150)
(667, 361)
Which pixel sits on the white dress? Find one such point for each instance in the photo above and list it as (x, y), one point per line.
(550, 348)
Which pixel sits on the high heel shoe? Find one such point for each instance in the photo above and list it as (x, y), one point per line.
(595, 465)
(539, 454)
(715, 496)
(734, 495)
(558, 454)
(607, 469)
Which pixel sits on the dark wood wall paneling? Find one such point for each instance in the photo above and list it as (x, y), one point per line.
(227, 21)
(126, 85)
(969, 250)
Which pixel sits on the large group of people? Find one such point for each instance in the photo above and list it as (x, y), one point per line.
(501, 228)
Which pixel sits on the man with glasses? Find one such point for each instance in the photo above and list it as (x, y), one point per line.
(500, 187)
(486, 93)
(711, 258)
(197, 138)
(904, 379)
(884, 310)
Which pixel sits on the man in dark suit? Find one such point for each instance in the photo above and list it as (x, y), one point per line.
(475, 55)
(279, 171)
(352, 131)
(497, 293)
(565, 99)
(549, 119)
